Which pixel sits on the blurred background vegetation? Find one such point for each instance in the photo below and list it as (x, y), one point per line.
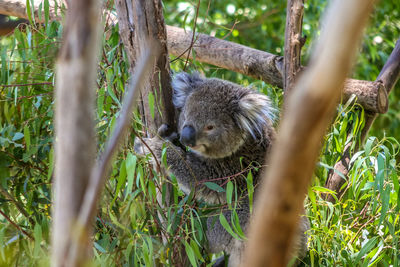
(361, 229)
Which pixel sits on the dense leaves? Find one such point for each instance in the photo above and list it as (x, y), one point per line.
(362, 228)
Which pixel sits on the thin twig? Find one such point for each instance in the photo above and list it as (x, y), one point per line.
(16, 226)
(26, 84)
(194, 34)
(17, 205)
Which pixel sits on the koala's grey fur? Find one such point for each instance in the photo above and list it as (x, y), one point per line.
(230, 130)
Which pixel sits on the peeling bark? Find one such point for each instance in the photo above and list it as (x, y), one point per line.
(148, 15)
(293, 43)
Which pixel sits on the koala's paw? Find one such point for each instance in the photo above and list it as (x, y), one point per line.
(150, 146)
(166, 133)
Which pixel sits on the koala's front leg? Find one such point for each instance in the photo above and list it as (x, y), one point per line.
(190, 170)
(154, 146)
(151, 146)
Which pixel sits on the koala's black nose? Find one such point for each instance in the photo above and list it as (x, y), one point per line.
(188, 136)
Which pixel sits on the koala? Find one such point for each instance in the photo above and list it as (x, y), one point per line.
(225, 131)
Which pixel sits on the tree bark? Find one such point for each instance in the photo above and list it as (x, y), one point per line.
(309, 111)
(293, 43)
(148, 14)
(252, 62)
(386, 79)
(17, 8)
(262, 65)
(248, 61)
(140, 16)
(7, 26)
(99, 173)
(75, 144)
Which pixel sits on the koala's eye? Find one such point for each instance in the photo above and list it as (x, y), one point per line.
(209, 127)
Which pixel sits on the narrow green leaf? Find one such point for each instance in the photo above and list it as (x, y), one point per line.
(236, 225)
(250, 189)
(190, 254)
(46, 11)
(17, 136)
(366, 248)
(227, 227)
(27, 137)
(229, 190)
(130, 165)
(37, 234)
(385, 204)
(99, 248)
(121, 180)
(151, 104)
(214, 187)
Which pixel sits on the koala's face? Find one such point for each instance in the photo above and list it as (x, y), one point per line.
(208, 127)
(216, 116)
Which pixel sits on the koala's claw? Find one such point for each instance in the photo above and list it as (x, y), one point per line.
(166, 133)
(164, 130)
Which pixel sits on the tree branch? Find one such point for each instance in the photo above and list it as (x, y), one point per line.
(140, 20)
(75, 142)
(159, 84)
(17, 205)
(309, 111)
(248, 61)
(16, 225)
(99, 173)
(387, 78)
(293, 43)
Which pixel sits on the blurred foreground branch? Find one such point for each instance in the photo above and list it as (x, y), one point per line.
(309, 110)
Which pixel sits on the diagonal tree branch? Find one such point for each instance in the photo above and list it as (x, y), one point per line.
(17, 205)
(387, 78)
(309, 110)
(75, 143)
(99, 173)
(16, 225)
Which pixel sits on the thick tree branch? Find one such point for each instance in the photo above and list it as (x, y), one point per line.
(387, 78)
(262, 65)
(7, 26)
(17, 8)
(254, 63)
(309, 111)
(293, 43)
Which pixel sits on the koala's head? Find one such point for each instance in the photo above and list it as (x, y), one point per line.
(217, 116)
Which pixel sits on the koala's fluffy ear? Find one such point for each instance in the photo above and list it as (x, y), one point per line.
(255, 112)
(183, 84)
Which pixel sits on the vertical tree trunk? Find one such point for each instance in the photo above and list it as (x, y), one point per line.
(148, 14)
(74, 122)
(309, 110)
(293, 43)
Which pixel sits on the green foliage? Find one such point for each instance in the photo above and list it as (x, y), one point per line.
(361, 229)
